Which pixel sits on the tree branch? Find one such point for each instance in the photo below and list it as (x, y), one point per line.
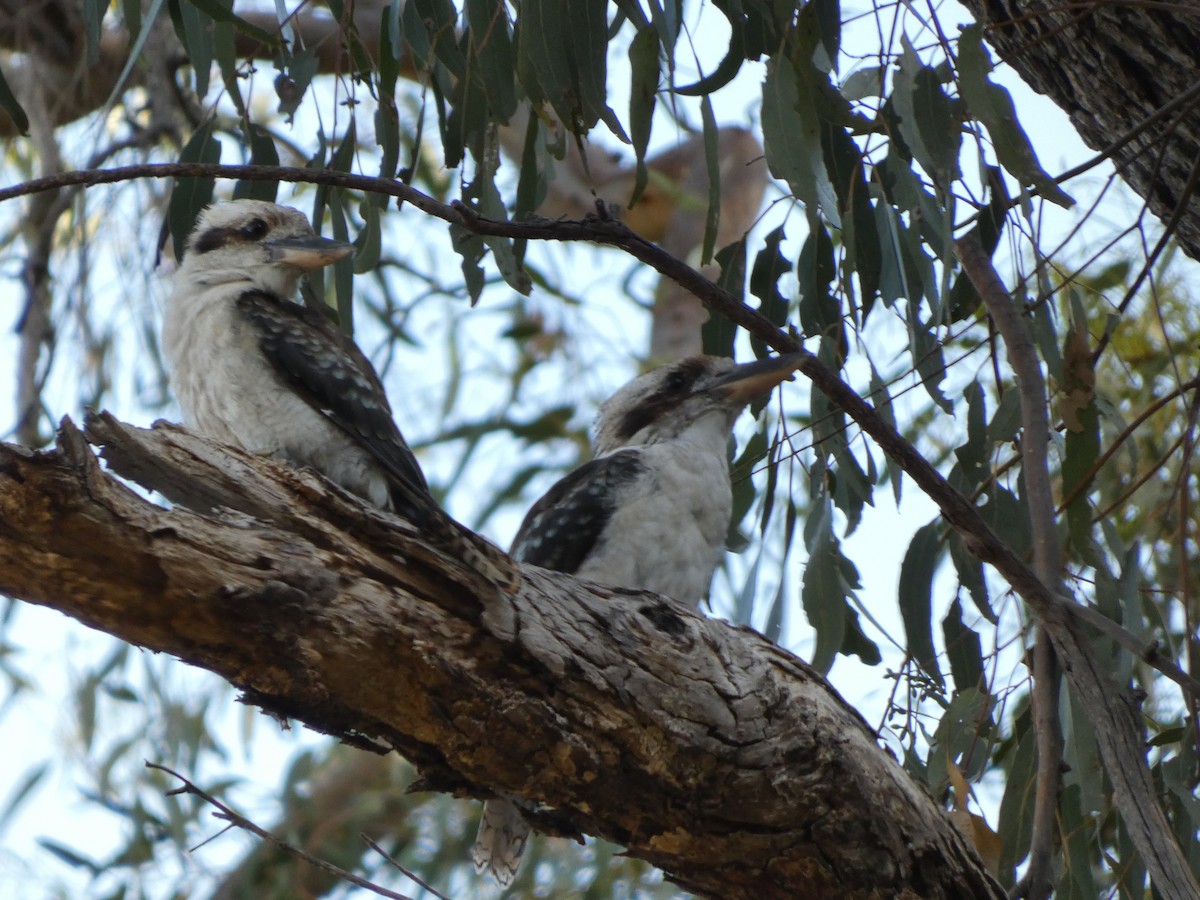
(1038, 881)
(703, 748)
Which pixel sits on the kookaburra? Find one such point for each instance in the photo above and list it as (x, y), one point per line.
(253, 367)
(650, 512)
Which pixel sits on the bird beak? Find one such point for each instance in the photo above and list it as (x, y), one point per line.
(307, 253)
(743, 383)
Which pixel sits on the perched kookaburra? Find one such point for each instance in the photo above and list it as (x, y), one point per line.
(253, 367)
(651, 511)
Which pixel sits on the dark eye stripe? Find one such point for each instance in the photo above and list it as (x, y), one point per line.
(675, 386)
(216, 238)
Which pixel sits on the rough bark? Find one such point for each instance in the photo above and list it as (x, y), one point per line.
(1112, 67)
(703, 748)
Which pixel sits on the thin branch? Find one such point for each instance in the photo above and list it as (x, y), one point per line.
(224, 812)
(1038, 881)
(374, 846)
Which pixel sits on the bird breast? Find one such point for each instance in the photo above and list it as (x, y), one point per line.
(229, 391)
(668, 531)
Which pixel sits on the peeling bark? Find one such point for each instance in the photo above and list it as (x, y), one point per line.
(703, 748)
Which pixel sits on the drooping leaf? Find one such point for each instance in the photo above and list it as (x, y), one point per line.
(992, 105)
(194, 29)
(718, 333)
(930, 120)
(792, 135)
(262, 153)
(93, 23)
(963, 649)
(769, 266)
(970, 576)
(731, 63)
(190, 195)
(222, 11)
(493, 54)
(563, 45)
(713, 164)
(1080, 417)
(8, 102)
(916, 596)
(644, 72)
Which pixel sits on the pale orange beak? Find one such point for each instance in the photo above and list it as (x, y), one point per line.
(743, 383)
(307, 253)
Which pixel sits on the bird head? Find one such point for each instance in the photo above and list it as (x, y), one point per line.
(702, 394)
(252, 240)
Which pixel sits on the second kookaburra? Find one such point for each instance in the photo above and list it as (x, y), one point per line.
(650, 512)
(253, 367)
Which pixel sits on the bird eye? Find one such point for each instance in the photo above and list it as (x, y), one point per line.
(677, 382)
(255, 229)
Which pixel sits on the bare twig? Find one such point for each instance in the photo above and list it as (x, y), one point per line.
(374, 846)
(228, 815)
(1038, 881)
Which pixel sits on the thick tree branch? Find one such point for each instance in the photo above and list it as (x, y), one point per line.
(703, 748)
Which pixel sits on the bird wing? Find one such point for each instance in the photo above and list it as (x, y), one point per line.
(561, 529)
(328, 370)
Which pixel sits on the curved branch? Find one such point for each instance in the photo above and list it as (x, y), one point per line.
(703, 748)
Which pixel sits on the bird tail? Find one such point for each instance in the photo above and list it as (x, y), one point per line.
(500, 843)
(479, 554)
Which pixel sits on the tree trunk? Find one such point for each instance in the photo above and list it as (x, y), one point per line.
(1111, 67)
(705, 749)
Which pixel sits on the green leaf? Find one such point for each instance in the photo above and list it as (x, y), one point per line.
(563, 45)
(829, 28)
(190, 195)
(927, 357)
(970, 576)
(992, 105)
(644, 73)
(792, 136)
(70, 856)
(816, 269)
(731, 63)
(492, 56)
(882, 401)
(930, 121)
(296, 74)
(1081, 419)
(963, 649)
(1016, 806)
(9, 104)
(343, 269)
(973, 456)
(262, 153)
(713, 164)
(21, 790)
(93, 23)
(368, 244)
(718, 333)
(769, 266)
(915, 595)
(1077, 881)
(222, 11)
(195, 31)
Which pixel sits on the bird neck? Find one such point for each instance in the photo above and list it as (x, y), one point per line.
(272, 279)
